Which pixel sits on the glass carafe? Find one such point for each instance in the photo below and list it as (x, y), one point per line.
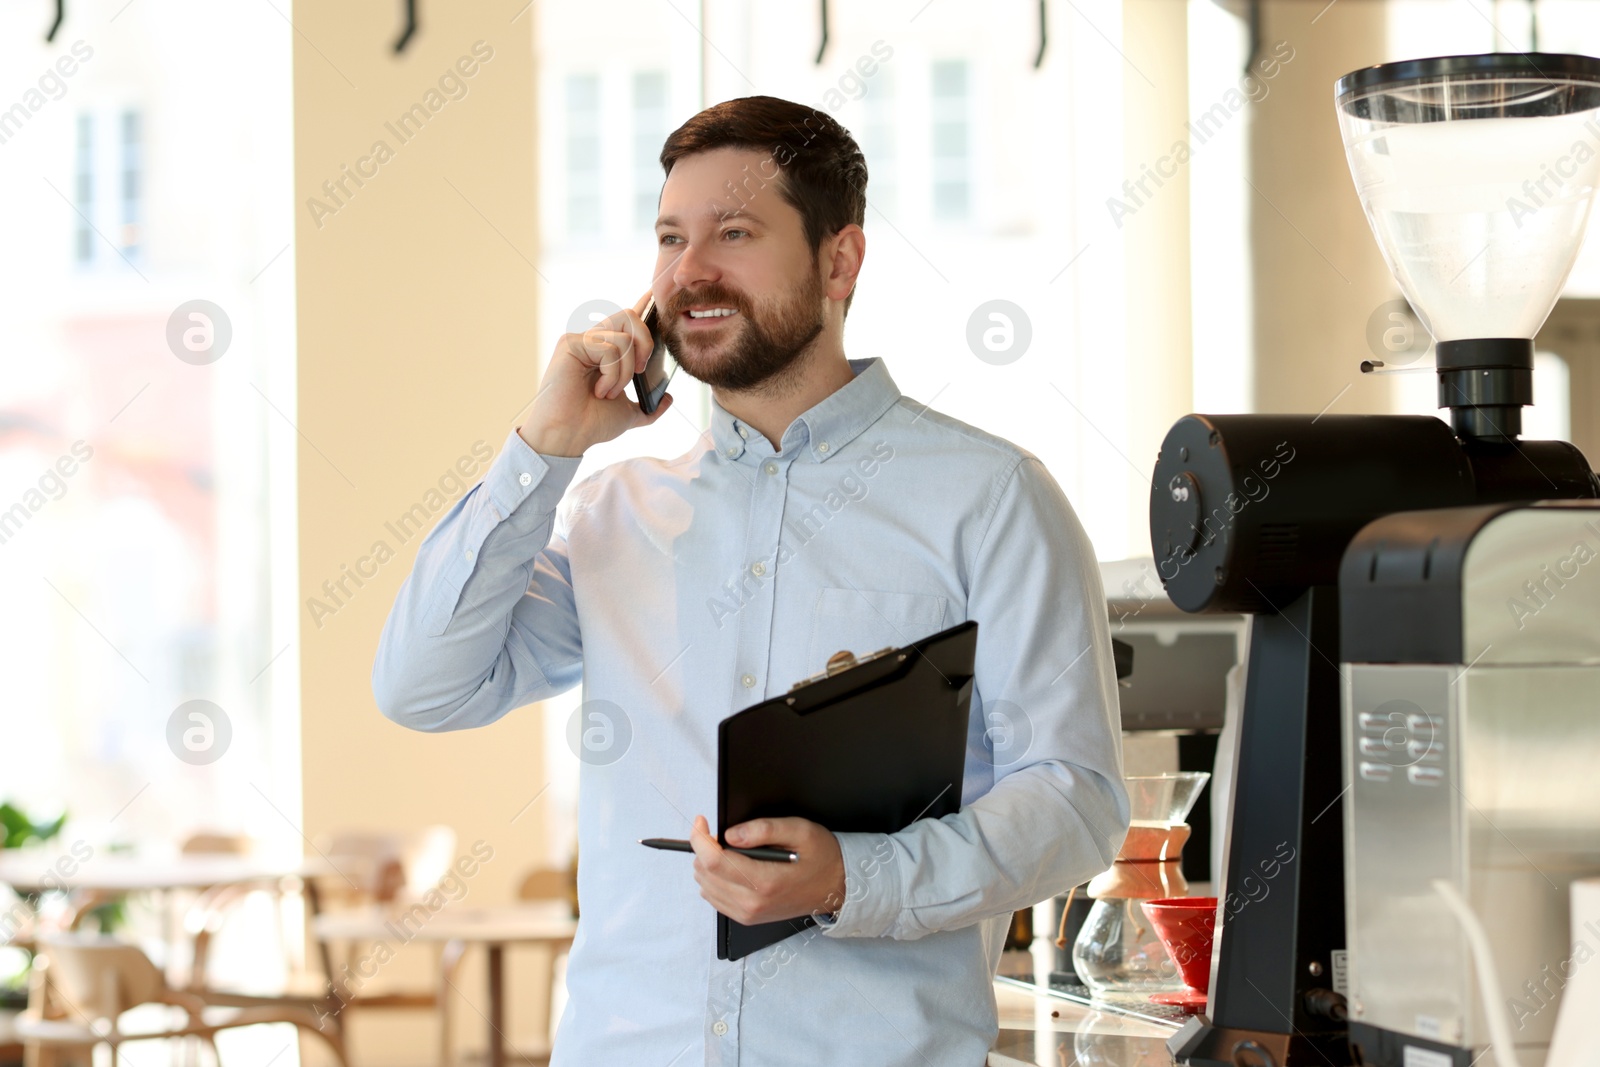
(1118, 953)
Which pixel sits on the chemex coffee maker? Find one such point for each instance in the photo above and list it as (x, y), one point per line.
(1421, 720)
(1119, 953)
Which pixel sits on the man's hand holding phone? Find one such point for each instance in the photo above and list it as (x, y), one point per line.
(581, 400)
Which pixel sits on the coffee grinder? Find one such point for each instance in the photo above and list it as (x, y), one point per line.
(1470, 636)
(1254, 513)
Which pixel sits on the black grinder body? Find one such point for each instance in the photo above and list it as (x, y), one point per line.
(1252, 514)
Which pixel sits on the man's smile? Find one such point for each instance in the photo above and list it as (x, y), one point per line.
(697, 319)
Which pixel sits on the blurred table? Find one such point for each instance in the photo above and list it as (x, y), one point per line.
(92, 880)
(545, 922)
(40, 870)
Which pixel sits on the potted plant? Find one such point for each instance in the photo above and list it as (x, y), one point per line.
(17, 828)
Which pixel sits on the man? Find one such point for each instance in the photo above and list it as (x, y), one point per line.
(822, 511)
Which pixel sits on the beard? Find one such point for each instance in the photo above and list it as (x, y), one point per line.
(762, 345)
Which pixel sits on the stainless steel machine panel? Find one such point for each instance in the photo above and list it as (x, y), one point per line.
(1401, 831)
(1529, 588)
(1486, 777)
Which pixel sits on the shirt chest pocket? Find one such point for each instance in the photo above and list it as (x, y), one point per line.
(865, 620)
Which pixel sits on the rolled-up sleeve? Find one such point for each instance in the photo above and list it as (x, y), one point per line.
(1057, 809)
(486, 621)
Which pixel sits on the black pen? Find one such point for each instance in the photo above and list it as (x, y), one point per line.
(762, 852)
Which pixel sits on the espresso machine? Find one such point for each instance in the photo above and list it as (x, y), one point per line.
(1378, 557)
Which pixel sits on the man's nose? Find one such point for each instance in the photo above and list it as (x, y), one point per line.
(693, 268)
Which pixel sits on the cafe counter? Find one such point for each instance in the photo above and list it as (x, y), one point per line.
(1040, 1029)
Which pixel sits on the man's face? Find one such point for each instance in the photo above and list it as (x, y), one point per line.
(727, 240)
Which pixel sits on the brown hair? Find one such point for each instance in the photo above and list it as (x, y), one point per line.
(824, 173)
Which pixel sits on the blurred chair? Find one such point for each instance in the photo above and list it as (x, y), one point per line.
(551, 883)
(377, 869)
(302, 992)
(18, 919)
(17, 922)
(539, 884)
(200, 912)
(45, 1003)
(85, 983)
(210, 843)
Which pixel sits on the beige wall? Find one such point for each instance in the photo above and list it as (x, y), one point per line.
(1318, 275)
(1155, 241)
(417, 333)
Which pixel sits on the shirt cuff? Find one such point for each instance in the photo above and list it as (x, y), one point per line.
(871, 887)
(519, 470)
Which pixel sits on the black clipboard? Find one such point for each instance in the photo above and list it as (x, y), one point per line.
(868, 746)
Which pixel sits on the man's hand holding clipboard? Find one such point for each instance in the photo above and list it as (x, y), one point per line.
(750, 891)
(869, 747)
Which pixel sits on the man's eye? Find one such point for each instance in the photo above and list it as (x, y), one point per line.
(673, 237)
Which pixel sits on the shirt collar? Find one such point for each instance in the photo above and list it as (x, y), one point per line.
(825, 428)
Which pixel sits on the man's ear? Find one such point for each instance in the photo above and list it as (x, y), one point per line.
(844, 253)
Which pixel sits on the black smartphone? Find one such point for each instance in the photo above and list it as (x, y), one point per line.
(651, 386)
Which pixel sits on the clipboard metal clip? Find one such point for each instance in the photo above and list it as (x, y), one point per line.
(841, 661)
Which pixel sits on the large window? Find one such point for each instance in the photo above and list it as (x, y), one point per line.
(650, 129)
(876, 135)
(948, 163)
(583, 146)
(146, 445)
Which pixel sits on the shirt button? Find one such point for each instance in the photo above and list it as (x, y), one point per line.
(771, 468)
(758, 569)
(748, 680)
(744, 432)
(823, 447)
(719, 1028)
(525, 478)
(732, 451)
(469, 553)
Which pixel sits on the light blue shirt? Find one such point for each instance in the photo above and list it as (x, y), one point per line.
(681, 591)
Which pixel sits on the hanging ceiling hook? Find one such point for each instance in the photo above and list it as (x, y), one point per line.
(1254, 44)
(1043, 20)
(411, 26)
(61, 13)
(823, 47)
